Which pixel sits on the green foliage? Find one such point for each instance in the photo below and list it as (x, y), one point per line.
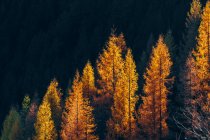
(12, 126)
(25, 106)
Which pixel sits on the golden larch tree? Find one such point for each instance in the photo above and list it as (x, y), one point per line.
(130, 88)
(77, 118)
(122, 122)
(110, 68)
(110, 64)
(44, 125)
(202, 58)
(88, 81)
(53, 96)
(153, 111)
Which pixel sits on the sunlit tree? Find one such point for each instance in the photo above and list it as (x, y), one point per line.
(88, 81)
(122, 122)
(53, 96)
(110, 64)
(77, 118)
(110, 68)
(131, 86)
(153, 111)
(44, 125)
(202, 59)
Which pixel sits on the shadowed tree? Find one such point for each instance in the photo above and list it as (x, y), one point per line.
(12, 128)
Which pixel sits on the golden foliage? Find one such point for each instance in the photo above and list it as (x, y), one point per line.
(88, 80)
(77, 119)
(110, 64)
(153, 111)
(195, 10)
(53, 96)
(44, 126)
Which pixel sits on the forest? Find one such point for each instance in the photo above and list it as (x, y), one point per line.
(110, 83)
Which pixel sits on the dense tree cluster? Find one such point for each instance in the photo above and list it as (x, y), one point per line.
(107, 102)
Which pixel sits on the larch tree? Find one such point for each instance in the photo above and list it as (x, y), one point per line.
(110, 68)
(122, 121)
(153, 111)
(88, 81)
(77, 118)
(44, 125)
(53, 96)
(202, 58)
(131, 87)
(110, 64)
(30, 120)
(12, 126)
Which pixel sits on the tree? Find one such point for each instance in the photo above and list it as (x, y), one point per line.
(44, 125)
(131, 86)
(202, 59)
(30, 120)
(194, 124)
(110, 66)
(77, 119)
(25, 106)
(169, 41)
(88, 81)
(185, 65)
(24, 112)
(153, 112)
(12, 126)
(53, 96)
(122, 122)
(192, 25)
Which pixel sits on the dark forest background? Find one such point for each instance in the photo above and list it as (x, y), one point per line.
(43, 39)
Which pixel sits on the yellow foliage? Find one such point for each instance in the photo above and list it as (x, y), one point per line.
(53, 96)
(88, 80)
(77, 119)
(110, 64)
(202, 58)
(44, 126)
(153, 111)
(195, 10)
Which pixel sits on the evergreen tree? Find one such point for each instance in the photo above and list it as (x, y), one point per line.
(30, 120)
(25, 106)
(77, 119)
(153, 112)
(192, 25)
(187, 45)
(12, 127)
(44, 125)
